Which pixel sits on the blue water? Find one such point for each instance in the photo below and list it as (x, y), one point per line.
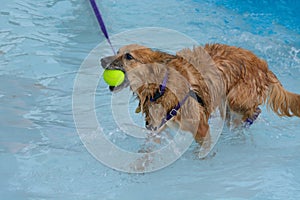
(42, 45)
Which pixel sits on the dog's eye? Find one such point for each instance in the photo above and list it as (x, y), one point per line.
(128, 56)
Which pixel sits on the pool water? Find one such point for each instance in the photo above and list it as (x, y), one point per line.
(42, 45)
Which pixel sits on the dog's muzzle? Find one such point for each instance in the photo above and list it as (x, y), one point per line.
(105, 62)
(111, 63)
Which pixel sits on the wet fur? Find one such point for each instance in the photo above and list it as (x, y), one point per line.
(217, 73)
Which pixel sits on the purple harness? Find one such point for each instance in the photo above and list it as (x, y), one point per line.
(174, 111)
(162, 89)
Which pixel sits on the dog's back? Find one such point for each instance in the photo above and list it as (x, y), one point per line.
(249, 82)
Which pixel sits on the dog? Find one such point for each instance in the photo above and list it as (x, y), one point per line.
(186, 88)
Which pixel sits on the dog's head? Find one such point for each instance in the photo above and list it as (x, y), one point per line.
(125, 60)
(144, 71)
(130, 57)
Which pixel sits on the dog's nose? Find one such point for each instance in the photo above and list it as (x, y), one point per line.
(104, 63)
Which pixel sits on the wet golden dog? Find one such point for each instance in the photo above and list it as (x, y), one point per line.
(195, 82)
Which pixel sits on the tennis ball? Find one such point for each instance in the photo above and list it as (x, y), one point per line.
(113, 77)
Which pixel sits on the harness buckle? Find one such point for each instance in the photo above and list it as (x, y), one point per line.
(173, 112)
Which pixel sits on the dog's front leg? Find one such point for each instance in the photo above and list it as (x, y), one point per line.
(202, 133)
(203, 138)
(199, 129)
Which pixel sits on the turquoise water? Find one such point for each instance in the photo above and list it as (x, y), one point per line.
(42, 45)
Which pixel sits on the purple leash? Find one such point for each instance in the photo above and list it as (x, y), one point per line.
(101, 23)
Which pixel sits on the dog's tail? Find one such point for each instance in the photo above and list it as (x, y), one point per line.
(281, 101)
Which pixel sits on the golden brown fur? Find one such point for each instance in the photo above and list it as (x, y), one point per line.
(217, 73)
(249, 82)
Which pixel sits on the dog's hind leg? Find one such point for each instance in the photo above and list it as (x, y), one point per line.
(249, 121)
(245, 102)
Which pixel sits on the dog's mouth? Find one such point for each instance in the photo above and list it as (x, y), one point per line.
(109, 63)
(119, 87)
(124, 84)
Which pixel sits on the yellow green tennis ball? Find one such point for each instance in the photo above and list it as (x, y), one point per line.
(113, 77)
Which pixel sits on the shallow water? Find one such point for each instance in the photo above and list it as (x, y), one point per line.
(42, 45)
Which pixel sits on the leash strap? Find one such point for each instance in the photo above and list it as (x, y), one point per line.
(101, 23)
